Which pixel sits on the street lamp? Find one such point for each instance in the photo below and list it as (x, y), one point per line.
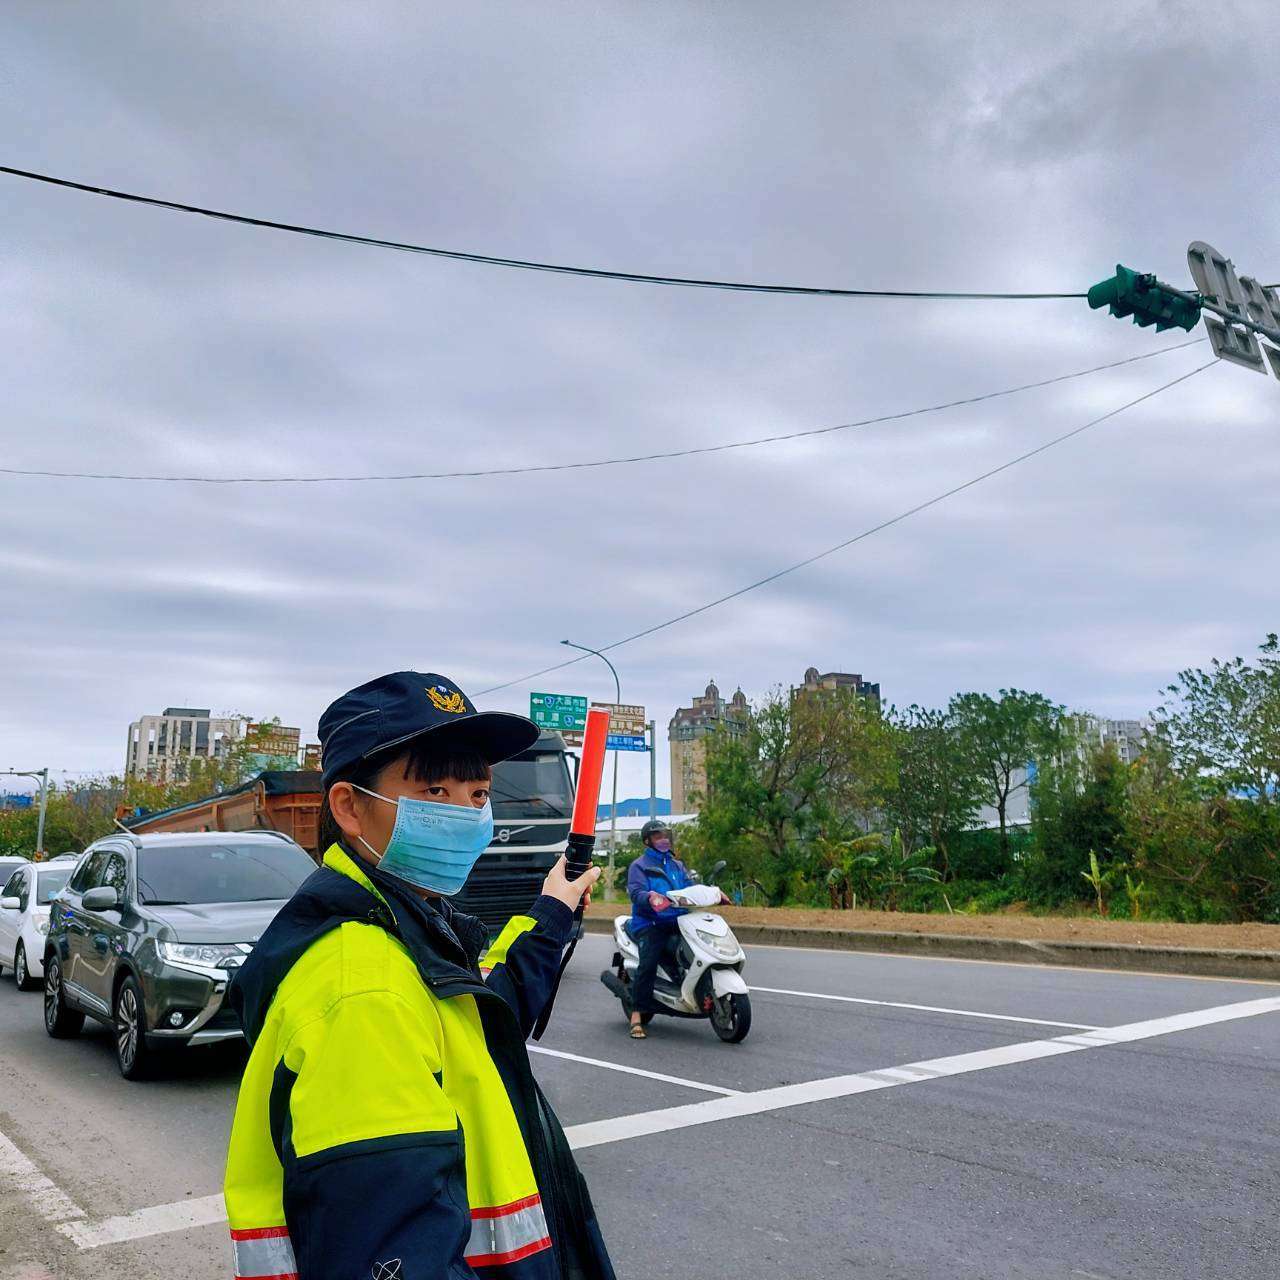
(613, 809)
(43, 776)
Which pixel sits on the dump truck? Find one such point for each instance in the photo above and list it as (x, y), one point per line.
(532, 798)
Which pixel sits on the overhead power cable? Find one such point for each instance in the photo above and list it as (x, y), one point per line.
(523, 264)
(536, 468)
(858, 537)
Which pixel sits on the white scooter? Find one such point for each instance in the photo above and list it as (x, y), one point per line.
(709, 962)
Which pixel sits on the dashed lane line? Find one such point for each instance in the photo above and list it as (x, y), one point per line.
(927, 1008)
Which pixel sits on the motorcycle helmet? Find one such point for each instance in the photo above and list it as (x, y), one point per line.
(655, 826)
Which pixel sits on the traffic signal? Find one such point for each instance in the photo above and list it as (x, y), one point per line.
(1133, 293)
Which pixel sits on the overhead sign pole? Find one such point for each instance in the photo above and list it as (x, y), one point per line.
(1250, 310)
(1248, 307)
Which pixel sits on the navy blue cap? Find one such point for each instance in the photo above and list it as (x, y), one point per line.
(392, 709)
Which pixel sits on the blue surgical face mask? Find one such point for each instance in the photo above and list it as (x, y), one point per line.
(662, 845)
(433, 846)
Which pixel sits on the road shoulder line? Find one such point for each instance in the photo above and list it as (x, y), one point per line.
(23, 1174)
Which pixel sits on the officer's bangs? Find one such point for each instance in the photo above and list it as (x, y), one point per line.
(429, 762)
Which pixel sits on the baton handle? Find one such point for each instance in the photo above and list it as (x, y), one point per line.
(578, 855)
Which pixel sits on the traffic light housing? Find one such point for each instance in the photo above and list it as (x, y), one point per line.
(1138, 294)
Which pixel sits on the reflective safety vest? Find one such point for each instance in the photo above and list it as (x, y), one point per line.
(388, 1123)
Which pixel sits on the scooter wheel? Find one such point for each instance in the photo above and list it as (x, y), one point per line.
(731, 1017)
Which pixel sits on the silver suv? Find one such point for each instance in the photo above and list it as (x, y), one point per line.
(149, 930)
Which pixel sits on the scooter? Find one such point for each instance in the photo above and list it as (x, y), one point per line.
(709, 961)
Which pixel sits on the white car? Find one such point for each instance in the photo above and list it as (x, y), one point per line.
(24, 916)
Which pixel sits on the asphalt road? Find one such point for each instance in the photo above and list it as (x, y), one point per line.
(1155, 1156)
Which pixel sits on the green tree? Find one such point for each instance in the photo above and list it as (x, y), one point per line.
(1224, 724)
(1002, 736)
(938, 791)
(1203, 855)
(809, 767)
(1079, 810)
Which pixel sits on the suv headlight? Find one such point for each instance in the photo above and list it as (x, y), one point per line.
(205, 955)
(42, 925)
(722, 946)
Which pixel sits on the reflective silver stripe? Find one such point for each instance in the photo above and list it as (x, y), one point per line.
(496, 1234)
(263, 1255)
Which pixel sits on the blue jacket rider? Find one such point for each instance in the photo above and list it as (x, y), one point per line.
(653, 875)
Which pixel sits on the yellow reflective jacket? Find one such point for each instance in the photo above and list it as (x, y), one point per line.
(388, 1123)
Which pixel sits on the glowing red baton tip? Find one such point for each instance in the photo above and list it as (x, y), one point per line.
(590, 772)
(582, 831)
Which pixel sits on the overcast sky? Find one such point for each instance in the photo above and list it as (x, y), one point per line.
(914, 146)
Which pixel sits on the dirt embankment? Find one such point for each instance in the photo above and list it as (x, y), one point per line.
(1019, 925)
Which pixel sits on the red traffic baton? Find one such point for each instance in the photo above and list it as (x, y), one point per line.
(586, 804)
(582, 834)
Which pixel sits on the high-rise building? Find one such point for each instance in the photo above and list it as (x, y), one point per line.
(1127, 736)
(687, 734)
(814, 681)
(160, 747)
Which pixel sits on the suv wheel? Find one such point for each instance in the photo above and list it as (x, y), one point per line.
(59, 1021)
(21, 974)
(134, 1058)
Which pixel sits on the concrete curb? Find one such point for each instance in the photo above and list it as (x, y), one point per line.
(1257, 966)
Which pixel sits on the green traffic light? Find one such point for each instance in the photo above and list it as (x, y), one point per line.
(1138, 294)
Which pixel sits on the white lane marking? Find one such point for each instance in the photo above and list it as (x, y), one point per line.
(597, 1132)
(22, 1174)
(634, 1071)
(157, 1220)
(210, 1209)
(926, 1008)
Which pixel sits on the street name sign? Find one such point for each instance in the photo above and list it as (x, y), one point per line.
(626, 726)
(564, 713)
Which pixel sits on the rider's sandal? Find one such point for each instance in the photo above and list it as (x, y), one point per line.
(639, 1033)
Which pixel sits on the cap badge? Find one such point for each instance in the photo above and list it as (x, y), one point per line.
(445, 699)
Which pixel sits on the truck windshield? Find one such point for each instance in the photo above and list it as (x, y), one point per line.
(535, 785)
(221, 872)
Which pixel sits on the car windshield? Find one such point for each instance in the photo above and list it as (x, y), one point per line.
(220, 872)
(537, 787)
(49, 880)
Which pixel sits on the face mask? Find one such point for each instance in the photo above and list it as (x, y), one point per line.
(433, 846)
(662, 845)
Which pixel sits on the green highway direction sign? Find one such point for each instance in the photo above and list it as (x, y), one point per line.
(558, 712)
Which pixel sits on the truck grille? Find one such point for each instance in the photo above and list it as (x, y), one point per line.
(497, 894)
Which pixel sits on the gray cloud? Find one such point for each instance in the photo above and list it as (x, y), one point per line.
(997, 146)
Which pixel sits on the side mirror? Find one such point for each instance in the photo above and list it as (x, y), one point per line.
(717, 869)
(103, 898)
(10, 904)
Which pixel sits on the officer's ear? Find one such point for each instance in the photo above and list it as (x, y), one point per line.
(345, 803)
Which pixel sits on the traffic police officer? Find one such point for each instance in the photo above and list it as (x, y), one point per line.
(388, 1124)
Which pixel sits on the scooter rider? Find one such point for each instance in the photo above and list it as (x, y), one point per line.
(653, 875)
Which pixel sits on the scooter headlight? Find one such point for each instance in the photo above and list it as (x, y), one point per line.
(723, 945)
